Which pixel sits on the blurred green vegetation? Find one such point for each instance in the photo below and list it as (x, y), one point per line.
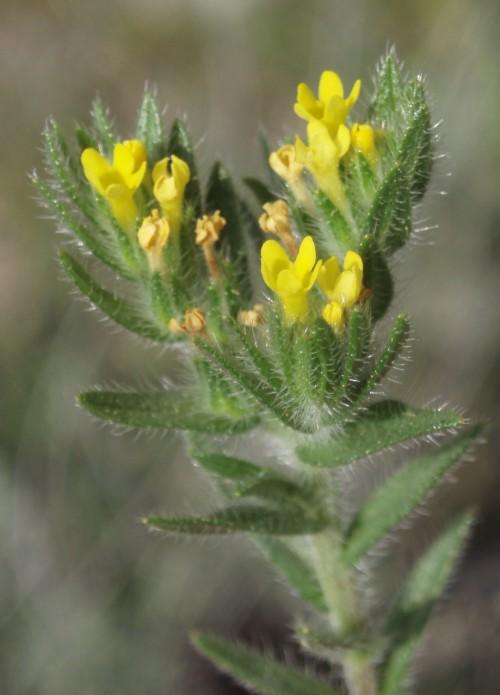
(91, 602)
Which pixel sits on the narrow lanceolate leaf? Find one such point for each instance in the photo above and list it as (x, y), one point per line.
(119, 310)
(389, 91)
(382, 425)
(247, 518)
(414, 605)
(376, 276)
(295, 570)
(357, 341)
(389, 219)
(259, 673)
(401, 493)
(150, 127)
(104, 127)
(161, 409)
(416, 152)
(397, 339)
(228, 467)
(260, 190)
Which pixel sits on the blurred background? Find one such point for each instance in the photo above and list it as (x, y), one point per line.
(90, 602)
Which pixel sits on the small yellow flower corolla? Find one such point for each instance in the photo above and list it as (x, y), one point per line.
(291, 280)
(343, 289)
(276, 220)
(363, 139)
(117, 182)
(170, 177)
(322, 158)
(330, 108)
(152, 236)
(208, 229)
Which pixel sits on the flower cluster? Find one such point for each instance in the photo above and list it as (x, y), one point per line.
(328, 139)
(293, 281)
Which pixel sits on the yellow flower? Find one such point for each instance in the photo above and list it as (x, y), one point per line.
(291, 280)
(170, 177)
(195, 322)
(330, 108)
(208, 229)
(363, 139)
(152, 236)
(117, 182)
(343, 289)
(322, 157)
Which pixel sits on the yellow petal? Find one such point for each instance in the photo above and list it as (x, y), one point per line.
(95, 168)
(306, 257)
(353, 96)
(159, 169)
(343, 139)
(328, 275)
(330, 85)
(346, 289)
(180, 171)
(138, 151)
(273, 261)
(288, 283)
(123, 159)
(307, 106)
(351, 260)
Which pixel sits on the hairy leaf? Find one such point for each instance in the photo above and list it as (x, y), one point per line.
(401, 493)
(161, 409)
(382, 425)
(150, 127)
(260, 673)
(414, 605)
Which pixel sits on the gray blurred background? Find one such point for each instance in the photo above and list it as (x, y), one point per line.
(90, 602)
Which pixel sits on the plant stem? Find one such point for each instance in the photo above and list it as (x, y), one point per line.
(339, 589)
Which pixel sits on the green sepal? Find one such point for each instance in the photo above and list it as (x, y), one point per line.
(116, 308)
(261, 191)
(390, 91)
(415, 152)
(419, 594)
(150, 127)
(104, 127)
(243, 518)
(377, 277)
(401, 493)
(381, 425)
(162, 410)
(259, 673)
(232, 245)
(396, 342)
(389, 218)
(295, 570)
(179, 143)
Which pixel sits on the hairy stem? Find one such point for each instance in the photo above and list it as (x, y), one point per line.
(339, 590)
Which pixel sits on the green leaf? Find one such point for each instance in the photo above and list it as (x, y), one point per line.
(228, 467)
(401, 493)
(296, 571)
(179, 143)
(358, 335)
(415, 152)
(389, 219)
(119, 310)
(414, 605)
(248, 518)
(104, 127)
(382, 425)
(389, 90)
(265, 368)
(390, 353)
(161, 409)
(376, 277)
(259, 673)
(338, 226)
(150, 127)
